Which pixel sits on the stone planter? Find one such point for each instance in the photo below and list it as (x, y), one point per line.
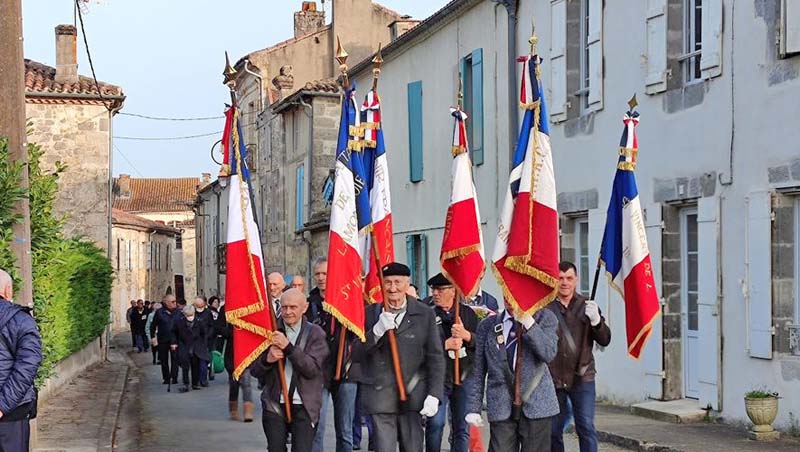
(762, 413)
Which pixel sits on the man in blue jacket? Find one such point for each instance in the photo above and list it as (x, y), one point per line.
(20, 357)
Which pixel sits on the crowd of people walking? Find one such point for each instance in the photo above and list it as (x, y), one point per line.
(557, 373)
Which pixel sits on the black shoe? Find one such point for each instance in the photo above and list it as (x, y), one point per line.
(211, 377)
(165, 382)
(183, 389)
(356, 447)
(204, 384)
(195, 387)
(174, 381)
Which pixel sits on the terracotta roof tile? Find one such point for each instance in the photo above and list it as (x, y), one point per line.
(119, 217)
(40, 78)
(328, 85)
(154, 194)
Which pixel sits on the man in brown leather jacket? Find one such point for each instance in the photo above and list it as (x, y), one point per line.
(580, 325)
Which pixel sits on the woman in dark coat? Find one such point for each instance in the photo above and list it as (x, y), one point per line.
(191, 338)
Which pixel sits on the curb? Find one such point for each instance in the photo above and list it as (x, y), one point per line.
(111, 414)
(632, 443)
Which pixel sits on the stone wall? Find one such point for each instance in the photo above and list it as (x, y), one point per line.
(137, 281)
(78, 137)
(184, 260)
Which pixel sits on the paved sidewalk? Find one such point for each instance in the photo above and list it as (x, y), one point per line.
(82, 416)
(618, 426)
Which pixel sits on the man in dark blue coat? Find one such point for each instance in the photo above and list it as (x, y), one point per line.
(161, 330)
(20, 357)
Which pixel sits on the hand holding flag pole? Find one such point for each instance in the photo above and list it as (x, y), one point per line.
(230, 80)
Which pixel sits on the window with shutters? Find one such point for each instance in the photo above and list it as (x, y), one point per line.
(415, 131)
(178, 242)
(576, 58)
(119, 249)
(692, 40)
(417, 256)
(299, 197)
(790, 28)
(129, 255)
(472, 88)
(169, 257)
(582, 254)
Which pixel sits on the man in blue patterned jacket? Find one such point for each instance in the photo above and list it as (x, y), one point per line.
(525, 428)
(20, 357)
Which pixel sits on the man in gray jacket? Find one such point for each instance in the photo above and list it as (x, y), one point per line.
(525, 428)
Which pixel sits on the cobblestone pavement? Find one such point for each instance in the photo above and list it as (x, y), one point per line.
(81, 416)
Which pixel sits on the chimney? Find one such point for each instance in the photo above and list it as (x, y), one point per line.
(284, 82)
(124, 186)
(400, 26)
(66, 54)
(308, 19)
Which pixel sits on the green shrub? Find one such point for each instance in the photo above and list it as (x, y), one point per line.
(760, 393)
(71, 278)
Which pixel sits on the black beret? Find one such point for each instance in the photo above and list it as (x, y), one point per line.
(396, 269)
(439, 281)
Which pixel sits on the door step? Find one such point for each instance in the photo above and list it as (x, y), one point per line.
(683, 411)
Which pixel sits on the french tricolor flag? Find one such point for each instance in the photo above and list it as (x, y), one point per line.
(525, 258)
(245, 291)
(380, 199)
(462, 257)
(624, 252)
(346, 247)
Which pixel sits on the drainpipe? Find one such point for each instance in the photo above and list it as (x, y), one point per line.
(513, 121)
(260, 81)
(310, 154)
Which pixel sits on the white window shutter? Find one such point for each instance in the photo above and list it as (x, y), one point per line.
(594, 39)
(653, 353)
(656, 79)
(711, 55)
(707, 302)
(150, 255)
(790, 27)
(759, 290)
(558, 61)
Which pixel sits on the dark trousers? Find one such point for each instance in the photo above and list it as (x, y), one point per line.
(525, 435)
(360, 419)
(276, 430)
(194, 367)
(15, 436)
(455, 405)
(169, 362)
(133, 338)
(140, 341)
(404, 429)
(582, 398)
(155, 353)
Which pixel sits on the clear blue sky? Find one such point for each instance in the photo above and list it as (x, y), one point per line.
(168, 57)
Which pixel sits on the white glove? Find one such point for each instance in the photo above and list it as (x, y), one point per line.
(527, 321)
(462, 353)
(385, 323)
(430, 407)
(593, 312)
(474, 419)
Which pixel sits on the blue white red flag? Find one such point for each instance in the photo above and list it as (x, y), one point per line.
(462, 257)
(245, 290)
(380, 199)
(525, 258)
(350, 217)
(624, 253)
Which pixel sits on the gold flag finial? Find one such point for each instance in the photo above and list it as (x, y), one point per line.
(341, 57)
(632, 104)
(229, 73)
(377, 61)
(533, 40)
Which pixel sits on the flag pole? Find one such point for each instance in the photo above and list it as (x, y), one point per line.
(459, 295)
(230, 81)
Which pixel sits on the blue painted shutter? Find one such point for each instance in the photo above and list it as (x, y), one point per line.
(759, 228)
(415, 130)
(299, 198)
(707, 302)
(477, 107)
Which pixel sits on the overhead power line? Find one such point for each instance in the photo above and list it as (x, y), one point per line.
(122, 154)
(163, 118)
(185, 137)
(79, 11)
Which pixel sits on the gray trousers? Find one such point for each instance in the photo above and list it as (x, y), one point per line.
(404, 429)
(525, 435)
(15, 436)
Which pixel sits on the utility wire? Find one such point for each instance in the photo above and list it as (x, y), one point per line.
(129, 162)
(163, 118)
(185, 137)
(89, 55)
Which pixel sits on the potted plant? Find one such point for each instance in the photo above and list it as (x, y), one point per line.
(762, 408)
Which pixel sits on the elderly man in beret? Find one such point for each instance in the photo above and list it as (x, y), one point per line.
(422, 366)
(458, 335)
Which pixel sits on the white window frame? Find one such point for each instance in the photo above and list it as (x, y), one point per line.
(685, 264)
(583, 59)
(584, 283)
(690, 60)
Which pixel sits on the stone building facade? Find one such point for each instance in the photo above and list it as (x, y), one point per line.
(211, 218)
(300, 149)
(72, 121)
(141, 255)
(168, 201)
(717, 170)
